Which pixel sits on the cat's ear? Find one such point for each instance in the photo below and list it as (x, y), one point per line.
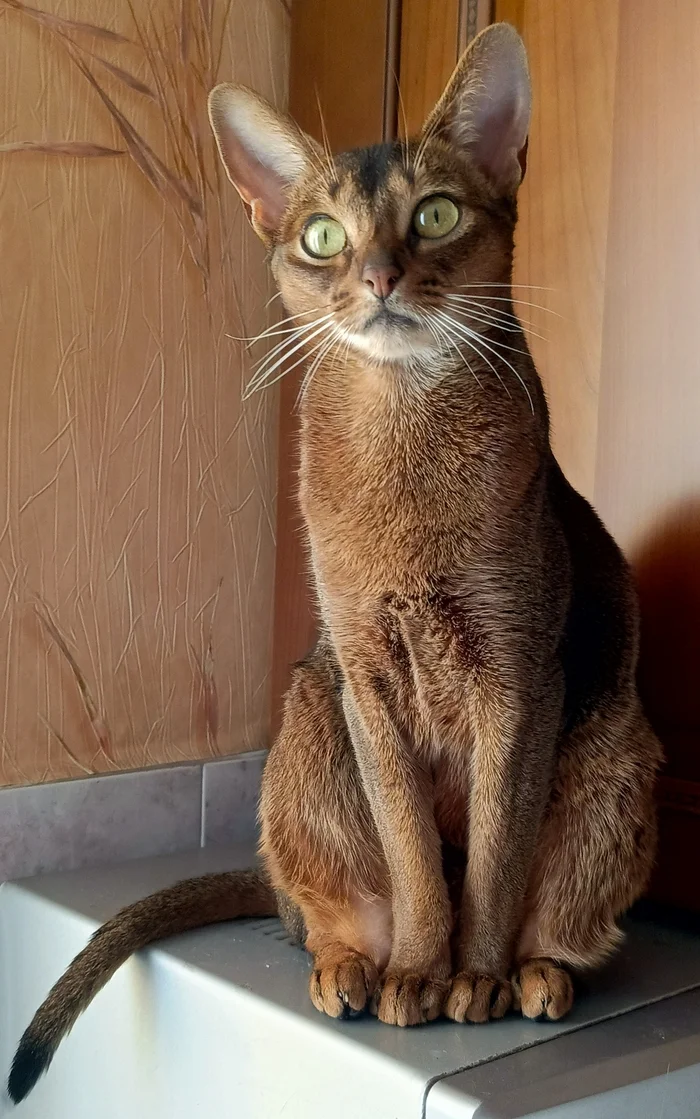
(485, 109)
(263, 151)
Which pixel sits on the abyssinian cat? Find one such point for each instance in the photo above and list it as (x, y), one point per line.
(459, 804)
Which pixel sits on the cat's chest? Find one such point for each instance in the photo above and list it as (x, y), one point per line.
(385, 515)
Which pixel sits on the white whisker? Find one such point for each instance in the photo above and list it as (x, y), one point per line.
(484, 357)
(336, 336)
(471, 336)
(441, 335)
(263, 374)
(515, 299)
(492, 341)
(272, 328)
(491, 284)
(479, 302)
(286, 369)
(288, 329)
(297, 332)
(511, 323)
(504, 321)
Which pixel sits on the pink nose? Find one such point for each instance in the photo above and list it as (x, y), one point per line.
(382, 279)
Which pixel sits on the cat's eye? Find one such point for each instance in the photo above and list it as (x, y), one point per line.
(435, 217)
(323, 237)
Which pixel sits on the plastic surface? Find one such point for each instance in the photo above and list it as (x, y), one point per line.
(218, 1022)
(645, 1064)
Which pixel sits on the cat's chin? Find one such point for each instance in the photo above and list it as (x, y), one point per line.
(392, 346)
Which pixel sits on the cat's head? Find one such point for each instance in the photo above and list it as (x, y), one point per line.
(382, 248)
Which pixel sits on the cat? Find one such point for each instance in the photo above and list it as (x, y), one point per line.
(459, 805)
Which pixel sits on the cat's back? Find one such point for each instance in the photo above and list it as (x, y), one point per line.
(600, 641)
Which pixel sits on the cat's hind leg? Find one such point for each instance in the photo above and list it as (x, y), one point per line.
(320, 844)
(594, 857)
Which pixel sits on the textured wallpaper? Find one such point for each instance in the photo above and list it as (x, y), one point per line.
(136, 489)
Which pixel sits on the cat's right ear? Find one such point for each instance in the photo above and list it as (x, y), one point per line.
(263, 152)
(485, 109)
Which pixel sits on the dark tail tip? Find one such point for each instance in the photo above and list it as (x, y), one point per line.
(32, 1059)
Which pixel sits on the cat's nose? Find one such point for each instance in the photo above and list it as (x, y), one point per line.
(381, 278)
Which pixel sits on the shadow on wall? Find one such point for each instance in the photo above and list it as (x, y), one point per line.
(667, 567)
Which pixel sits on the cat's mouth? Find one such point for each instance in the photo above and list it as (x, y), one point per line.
(385, 317)
(390, 335)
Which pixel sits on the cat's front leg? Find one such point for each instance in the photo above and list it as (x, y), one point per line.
(515, 730)
(496, 712)
(399, 790)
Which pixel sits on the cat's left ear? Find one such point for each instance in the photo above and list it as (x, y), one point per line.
(485, 109)
(263, 151)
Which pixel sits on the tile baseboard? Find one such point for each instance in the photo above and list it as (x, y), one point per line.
(230, 794)
(91, 821)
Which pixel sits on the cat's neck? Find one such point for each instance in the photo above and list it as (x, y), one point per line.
(351, 391)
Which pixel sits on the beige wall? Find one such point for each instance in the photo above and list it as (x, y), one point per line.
(136, 491)
(564, 205)
(648, 462)
(610, 228)
(610, 222)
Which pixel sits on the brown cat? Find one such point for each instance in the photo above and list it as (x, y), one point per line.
(459, 804)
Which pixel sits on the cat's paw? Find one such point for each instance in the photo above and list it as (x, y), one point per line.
(476, 998)
(408, 999)
(343, 989)
(543, 989)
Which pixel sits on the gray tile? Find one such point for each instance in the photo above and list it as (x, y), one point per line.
(230, 798)
(68, 824)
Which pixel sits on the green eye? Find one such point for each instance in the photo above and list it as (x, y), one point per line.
(323, 237)
(435, 217)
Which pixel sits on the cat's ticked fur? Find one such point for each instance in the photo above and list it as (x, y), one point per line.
(458, 806)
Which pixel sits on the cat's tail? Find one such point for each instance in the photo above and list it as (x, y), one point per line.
(186, 905)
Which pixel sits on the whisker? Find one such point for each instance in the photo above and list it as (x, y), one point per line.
(497, 318)
(492, 284)
(326, 145)
(336, 335)
(406, 156)
(484, 357)
(472, 335)
(267, 383)
(510, 323)
(492, 341)
(280, 349)
(455, 343)
(516, 300)
(287, 330)
(348, 343)
(266, 370)
(424, 141)
(298, 330)
(441, 334)
(250, 339)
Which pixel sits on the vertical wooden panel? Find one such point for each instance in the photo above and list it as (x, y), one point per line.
(338, 60)
(338, 54)
(474, 16)
(511, 11)
(648, 475)
(428, 55)
(564, 201)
